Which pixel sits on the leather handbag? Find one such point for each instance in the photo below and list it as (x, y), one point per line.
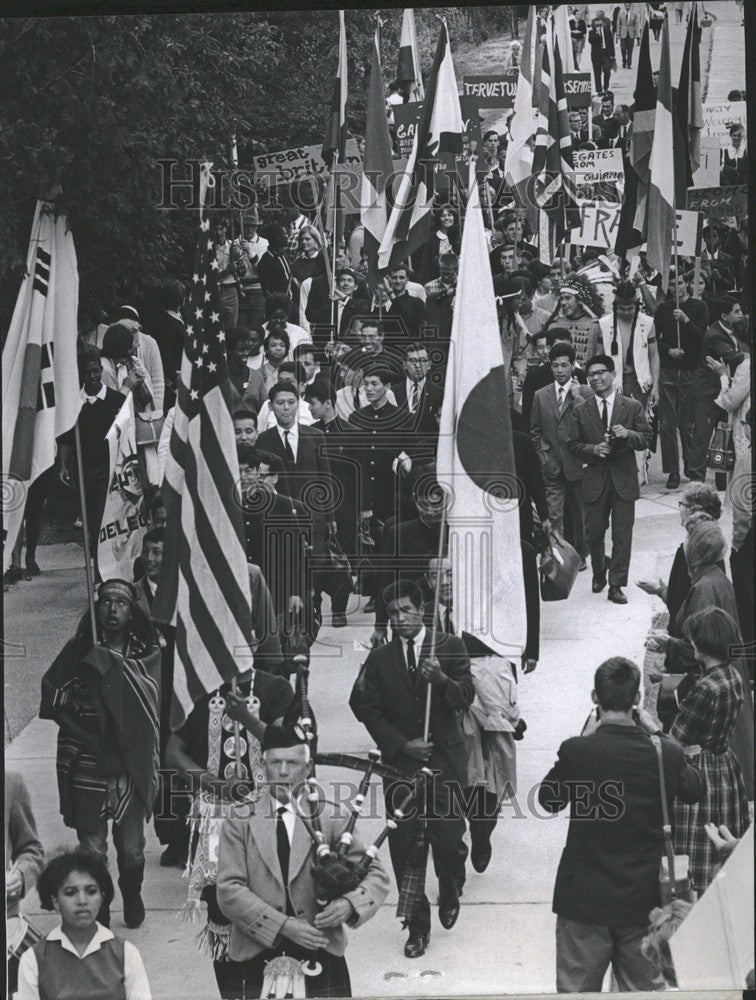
(148, 431)
(558, 569)
(721, 454)
(674, 880)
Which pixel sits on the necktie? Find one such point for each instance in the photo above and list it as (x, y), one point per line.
(605, 415)
(448, 626)
(284, 852)
(288, 449)
(357, 403)
(414, 396)
(561, 398)
(411, 661)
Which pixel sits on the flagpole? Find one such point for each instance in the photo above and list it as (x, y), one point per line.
(436, 602)
(674, 240)
(87, 551)
(334, 249)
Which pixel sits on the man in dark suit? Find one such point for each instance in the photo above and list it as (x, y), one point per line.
(420, 399)
(406, 312)
(397, 679)
(439, 309)
(604, 432)
(99, 408)
(273, 269)
(562, 471)
(169, 330)
(719, 342)
(607, 882)
(602, 51)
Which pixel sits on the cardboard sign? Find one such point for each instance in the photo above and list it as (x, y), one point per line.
(719, 117)
(577, 90)
(302, 161)
(719, 202)
(689, 228)
(598, 226)
(492, 91)
(595, 165)
(708, 173)
(406, 117)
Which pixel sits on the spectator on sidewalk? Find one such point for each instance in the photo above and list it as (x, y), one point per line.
(25, 854)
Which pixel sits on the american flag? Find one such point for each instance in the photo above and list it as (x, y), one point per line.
(204, 585)
(553, 166)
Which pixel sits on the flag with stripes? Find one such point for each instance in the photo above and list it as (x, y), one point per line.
(518, 166)
(642, 132)
(689, 110)
(408, 69)
(661, 188)
(40, 377)
(553, 167)
(334, 143)
(563, 35)
(438, 132)
(378, 165)
(476, 469)
(204, 585)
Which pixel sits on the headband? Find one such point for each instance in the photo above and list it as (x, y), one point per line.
(121, 588)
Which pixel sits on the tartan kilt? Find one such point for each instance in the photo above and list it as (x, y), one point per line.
(725, 802)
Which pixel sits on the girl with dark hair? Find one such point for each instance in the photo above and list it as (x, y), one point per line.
(80, 958)
(276, 348)
(445, 238)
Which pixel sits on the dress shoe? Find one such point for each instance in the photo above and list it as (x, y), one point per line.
(338, 621)
(480, 855)
(416, 944)
(673, 483)
(616, 595)
(598, 584)
(13, 574)
(448, 907)
(32, 568)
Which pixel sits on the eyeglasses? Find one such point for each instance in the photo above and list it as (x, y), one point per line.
(599, 373)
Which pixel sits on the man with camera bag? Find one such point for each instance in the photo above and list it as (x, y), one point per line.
(608, 877)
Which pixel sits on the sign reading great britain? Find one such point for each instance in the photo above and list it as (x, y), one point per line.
(293, 164)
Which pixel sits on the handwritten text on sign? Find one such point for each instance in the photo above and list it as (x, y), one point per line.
(719, 202)
(302, 161)
(492, 91)
(595, 165)
(719, 117)
(406, 117)
(598, 226)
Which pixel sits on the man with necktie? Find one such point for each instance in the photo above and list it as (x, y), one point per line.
(396, 681)
(603, 433)
(266, 886)
(602, 51)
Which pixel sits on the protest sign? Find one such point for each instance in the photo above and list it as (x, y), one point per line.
(595, 165)
(491, 91)
(598, 226)
(125, 518)
(406, 117)
(719, 117)
(707, 175)
(688, 233)
(288, 165)
(719, 202)
(577, 90)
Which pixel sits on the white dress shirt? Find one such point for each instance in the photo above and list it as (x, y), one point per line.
(609, 406)
(135, 978)
(91, 399)
(417, 641)
(266, 418)
(293, 435)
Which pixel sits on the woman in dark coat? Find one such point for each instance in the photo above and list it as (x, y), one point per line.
(444, 238)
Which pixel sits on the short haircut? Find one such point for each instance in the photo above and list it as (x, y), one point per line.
(235, 334)
(401, 266)
(174, 293)
(341, 271)
(56, 871)
(276, 301)
(117, 341)
(322, 390)
(562, 350)
(154, 535)
(400, 589)
(415, 347)
(372, 321)
(247, 454)
(245, 414)
(281, 335)
(295, 368)
(616, 683)
(281, 387)
(713, 632)
(725, 304)
(559, 334)
(157, 501)
(699, 496)
(448, 258)
(274, 463)
(489, 133)
(88, 356)
(600, 359)
(541, 335)
(377, 371)
(306, 347)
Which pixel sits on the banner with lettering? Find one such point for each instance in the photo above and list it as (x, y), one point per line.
(577, 90)
(125, 518)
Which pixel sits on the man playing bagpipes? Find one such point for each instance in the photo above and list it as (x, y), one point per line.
(414, 689)
(287, 933)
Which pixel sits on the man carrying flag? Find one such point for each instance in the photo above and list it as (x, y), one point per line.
(438, 132)
(377, 167)
(40, 376)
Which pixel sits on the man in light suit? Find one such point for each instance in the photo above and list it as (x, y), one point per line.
(603, 433)
(549, 420)
(627, 30)
(265, 883)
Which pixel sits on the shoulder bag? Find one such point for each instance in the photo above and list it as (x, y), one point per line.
(673, 884)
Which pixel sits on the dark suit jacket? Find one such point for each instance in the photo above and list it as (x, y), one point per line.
(407, 546)
(312, 469)
(349, 467)
(277, 535)
(422, 425)
(608, 874)
(273, 275)
(537, 378)
(438, 316)
(549, 430)
(95, 420)
(717, 343)
(405, 316)
(254, 395)
(619, 469)
(528, 470)
(393, 710)
(594, 40)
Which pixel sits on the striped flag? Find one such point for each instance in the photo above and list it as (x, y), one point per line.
(476, 469)
(689, 109)
(408, 69)
(661, 189)
(642, 133)
(564, 37)
(41, 397)
(378, 165)
(438, 132)
(553, 167)
(518, 167)
(334, 143)
(204, 585)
